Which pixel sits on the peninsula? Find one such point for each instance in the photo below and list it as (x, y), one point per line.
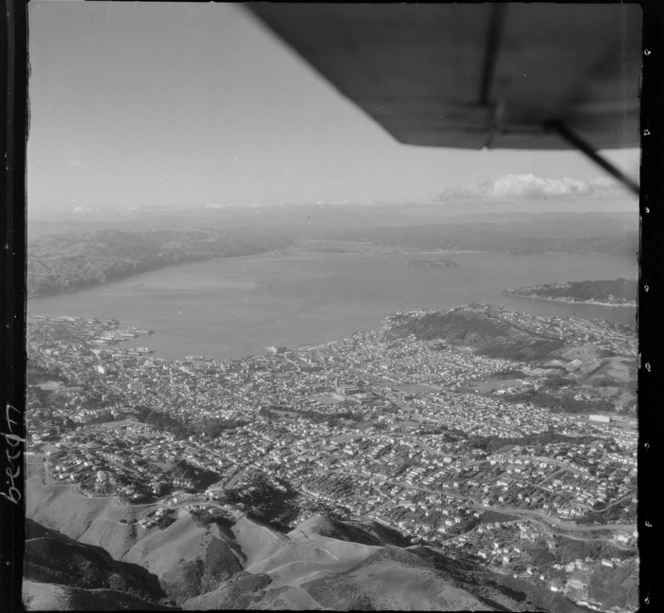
(617, 293)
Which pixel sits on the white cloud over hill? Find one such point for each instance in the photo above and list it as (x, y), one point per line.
(533, 187)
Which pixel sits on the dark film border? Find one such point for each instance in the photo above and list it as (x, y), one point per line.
(13, 145)
(650, 313)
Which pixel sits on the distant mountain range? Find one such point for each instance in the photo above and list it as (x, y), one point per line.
(88, 255)
(524, 235)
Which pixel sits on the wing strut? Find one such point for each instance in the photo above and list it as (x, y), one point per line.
(586, 149)
(494, 32)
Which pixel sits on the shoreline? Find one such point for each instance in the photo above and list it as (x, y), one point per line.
(625, 305)
(287, 254)
(306, 250)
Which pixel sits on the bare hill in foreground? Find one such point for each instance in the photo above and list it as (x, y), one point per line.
(242, 563)
(51, 557)
(63, 574)
(39, 596)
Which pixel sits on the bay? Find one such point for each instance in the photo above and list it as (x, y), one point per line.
(232, 308)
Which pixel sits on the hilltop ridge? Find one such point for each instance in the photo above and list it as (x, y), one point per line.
(485, 328)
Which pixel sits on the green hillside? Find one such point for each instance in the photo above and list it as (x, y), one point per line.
(69, 262)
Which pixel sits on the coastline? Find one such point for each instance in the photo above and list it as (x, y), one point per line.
(567, 300)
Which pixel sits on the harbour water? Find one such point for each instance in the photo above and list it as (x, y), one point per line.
(232, 308)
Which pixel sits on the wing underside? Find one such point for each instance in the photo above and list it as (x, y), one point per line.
(477, 75)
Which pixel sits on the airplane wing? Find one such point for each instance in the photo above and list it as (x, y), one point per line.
(477, 75)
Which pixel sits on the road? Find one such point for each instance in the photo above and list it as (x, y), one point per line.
(550, 521)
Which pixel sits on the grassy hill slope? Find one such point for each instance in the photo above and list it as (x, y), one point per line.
(62, 573)
(480, 327)
(243, 563)
(69, 262)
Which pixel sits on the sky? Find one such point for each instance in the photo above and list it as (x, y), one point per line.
(156, 104)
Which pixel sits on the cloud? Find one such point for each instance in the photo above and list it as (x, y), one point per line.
(524, 186)
(531, 186)
(603, 183)
(608, 187)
